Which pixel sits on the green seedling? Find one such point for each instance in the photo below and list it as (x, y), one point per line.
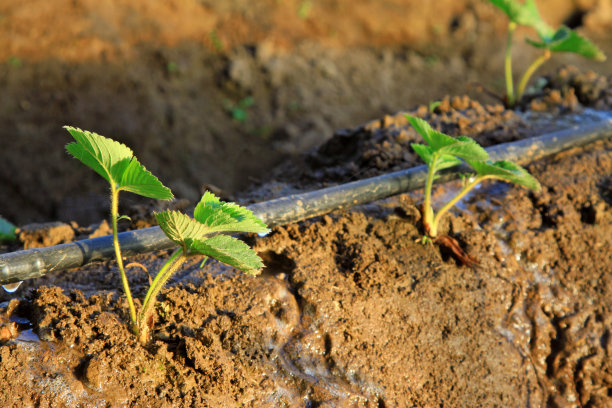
(172, 67)
(304, 9)
(201, 235)
(239, 111)
(7, 231)
(116, 163)
(433, 105)
(443, 151)
(15, 62)
(216, 41)
(563, 39)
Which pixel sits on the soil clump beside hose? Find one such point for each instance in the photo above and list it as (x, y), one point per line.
(350, 310)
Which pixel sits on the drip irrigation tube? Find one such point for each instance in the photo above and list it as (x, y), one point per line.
(32, 263)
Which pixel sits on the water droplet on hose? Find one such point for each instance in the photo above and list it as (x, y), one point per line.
(11, 287)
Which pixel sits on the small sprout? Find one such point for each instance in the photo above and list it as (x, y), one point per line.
(172, 67)
(201, 235)
(116, 163)
(15, 62)
(216, 41)
(432, 60)
(443, 151)
(7, 231)
(304, 9)
(563, 39)
(239, 111)
(433, 105)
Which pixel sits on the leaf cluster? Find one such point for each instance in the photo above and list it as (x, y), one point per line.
(443, 151)
(202, 234)
(116, 163)
(563, 39)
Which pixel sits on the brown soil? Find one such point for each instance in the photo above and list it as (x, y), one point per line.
(350, 311)
(168, 80)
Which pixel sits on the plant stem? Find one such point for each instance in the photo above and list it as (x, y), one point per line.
(175, 262)
(529, 72)
(124, 280)
(156, 284)
(427, 210)
(434, 227)
(508, 65)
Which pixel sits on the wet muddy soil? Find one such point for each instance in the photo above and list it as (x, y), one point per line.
(215, 94)
(351, 311)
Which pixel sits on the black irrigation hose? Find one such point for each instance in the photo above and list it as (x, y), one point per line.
(33, 263)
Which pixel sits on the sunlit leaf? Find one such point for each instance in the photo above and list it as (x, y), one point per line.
(423, 151)
(116, 163)
(442, 144)
(229, 250)
(434, 139)
(221, 216)
(567, 40)
(180, 227)
(137, 179)
(97, 152)
(507, 171)
(465, 148)
(525, 14)
(445, 161)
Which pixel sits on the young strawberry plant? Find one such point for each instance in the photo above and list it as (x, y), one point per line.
(201, 235)
(116, 163)
(443, 151)
(563, 39)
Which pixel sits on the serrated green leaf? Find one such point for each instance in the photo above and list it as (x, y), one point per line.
(445, 161)
(567, 40)
(116, 163)
(466, 149)
(221, 216)
(507, 171)
(137, 179)
(228, 250)
(423, 151)
(525, 14)
(433, 138)
(206, 207)
(97, 152)
(7, 231)
(442, 144)
(180, 227)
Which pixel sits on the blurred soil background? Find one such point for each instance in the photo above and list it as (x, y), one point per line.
(216, 93)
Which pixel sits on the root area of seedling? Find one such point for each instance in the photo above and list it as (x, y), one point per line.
(452, 247)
